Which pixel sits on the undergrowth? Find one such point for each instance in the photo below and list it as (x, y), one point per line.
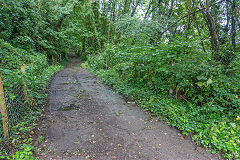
(196, 96)
(23, 113)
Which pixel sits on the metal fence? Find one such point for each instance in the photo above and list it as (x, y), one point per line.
(13, 98)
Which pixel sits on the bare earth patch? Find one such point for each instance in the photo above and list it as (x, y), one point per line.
(85, 119)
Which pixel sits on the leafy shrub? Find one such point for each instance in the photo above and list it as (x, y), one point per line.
(26, 24)
(25, 153)
(31, 34)
(175, 80)
(22, 113)
(37, 69)
(189, 74)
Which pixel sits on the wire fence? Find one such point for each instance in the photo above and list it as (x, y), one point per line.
(14, 104)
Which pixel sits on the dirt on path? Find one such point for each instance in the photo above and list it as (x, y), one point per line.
(85, 119)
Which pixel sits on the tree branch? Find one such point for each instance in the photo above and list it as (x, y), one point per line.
(187, 16)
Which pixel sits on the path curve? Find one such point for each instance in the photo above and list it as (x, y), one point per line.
(85, 119)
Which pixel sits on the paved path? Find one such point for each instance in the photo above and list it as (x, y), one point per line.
(85, 119)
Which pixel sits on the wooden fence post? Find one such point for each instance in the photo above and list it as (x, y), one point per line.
(24, 83)
(3, 111)
(25, 89)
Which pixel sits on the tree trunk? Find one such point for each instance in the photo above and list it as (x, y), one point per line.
(109, 28)
(212, 29)
(147, 12)
(233, 19)
(171, 8)
(135, 8)
(199, 33)
(189, 13)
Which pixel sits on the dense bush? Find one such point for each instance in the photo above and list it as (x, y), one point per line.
(179, 82)
(21, 112)
(37, 68)
(30, 33)
(34, 25)
(181, 70)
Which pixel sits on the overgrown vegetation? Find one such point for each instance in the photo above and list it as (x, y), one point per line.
(193, 94)
(27, 37)
(177, 59)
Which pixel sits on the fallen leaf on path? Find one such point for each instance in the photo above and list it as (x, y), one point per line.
(131, 102)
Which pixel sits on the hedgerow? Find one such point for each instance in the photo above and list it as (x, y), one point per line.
(181, 84)
(23, 114)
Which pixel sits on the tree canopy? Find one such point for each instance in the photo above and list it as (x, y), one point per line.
(184, 52)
